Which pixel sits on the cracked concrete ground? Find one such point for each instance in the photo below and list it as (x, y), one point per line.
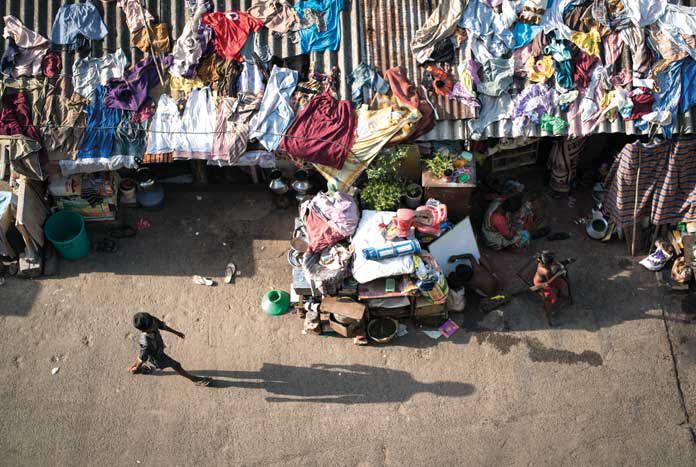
(599, 389)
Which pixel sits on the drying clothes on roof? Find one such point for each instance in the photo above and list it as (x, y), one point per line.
(644, 12)
(564, 99)
(669, 51)
(231, 30)
(439, 25)
(129, 138)
(533, 102)
(611, 14)
(491, 28)
(539, 71)
(77, 19)
(277, 15)
(198, 126)
(183, 86)
(314, 39)
(532, 11)
(493, 109)
(130, 92)
(553, 18)
(63, 123)
(496, 76)
(612, 46)
(7, 62)
(615, 101)
(146, 111)
(232, 126)
(165, 127)
(23, 155)
(678, 21)
(365, 75)
(16, 125)
(581, 19)
(275, 114)
(374, 129)
(688, 80)
(667, 99)
(642, 103)
(189, 46)
(443, 52)
(563, 162)
(666, 186)
(442, 81)
(641, 57)
(250, 80)
(552, 124)
(323, 132)
(408, 95)
(300, 63)
(29, 49)
(136, 14)
(90, 72)
(587, 42)
(582, 69)
(95, 155)
(51, 65)
(159, 33)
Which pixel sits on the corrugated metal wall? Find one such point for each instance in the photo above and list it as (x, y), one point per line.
(38, 15)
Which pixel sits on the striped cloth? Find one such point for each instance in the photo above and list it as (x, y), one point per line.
(563, 162)
(667, 185)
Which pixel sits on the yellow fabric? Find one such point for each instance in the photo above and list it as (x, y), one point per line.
(588, 42)
(178, 84)
(375, 128)
(465, 78)
(540, 70)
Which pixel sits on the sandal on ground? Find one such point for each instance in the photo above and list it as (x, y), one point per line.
(204, 381)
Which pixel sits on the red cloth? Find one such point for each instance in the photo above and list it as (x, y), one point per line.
(323, 132)
(642, 104)
(582, 69)
(231, 30)
(442, 81)
(553, 289)
(15, 117)
(407, 94)
(499, 221)
(51, 65)
(320, 234)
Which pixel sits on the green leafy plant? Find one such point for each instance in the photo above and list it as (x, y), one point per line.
(414, 190)
(386, 165)
(439, 163)
(382, 195)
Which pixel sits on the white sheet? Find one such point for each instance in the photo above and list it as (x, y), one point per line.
(368, 234)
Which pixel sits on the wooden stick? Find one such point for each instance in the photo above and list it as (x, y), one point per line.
(149, 42)
(635, 210)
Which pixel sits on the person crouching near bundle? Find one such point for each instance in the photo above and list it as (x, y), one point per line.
(551, 287)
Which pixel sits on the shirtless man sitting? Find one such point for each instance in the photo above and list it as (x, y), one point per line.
(552, 288)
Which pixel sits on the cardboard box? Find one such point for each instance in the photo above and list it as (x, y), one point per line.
(343, 306)
(429, 310)
(346, 331)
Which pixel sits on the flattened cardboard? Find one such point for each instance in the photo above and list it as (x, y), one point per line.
(343, 306)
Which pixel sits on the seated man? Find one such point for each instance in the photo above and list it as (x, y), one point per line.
(552, 287)
(507, 223)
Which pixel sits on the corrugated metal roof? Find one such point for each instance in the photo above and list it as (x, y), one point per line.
(38, 15)
(388, 27)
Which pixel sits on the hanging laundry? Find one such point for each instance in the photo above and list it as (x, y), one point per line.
(442, 81)
(520, 57)
(88, 72)
(299, 63)
(612, 46)
(29, 49)
(130, 92)
(461, 94)
(7, 62)
(51, 65)
(408, 95)
(611, 14)
(565, 99)
(645, 12)
(679, 21)
(365, 75)
(443, 52)
(323, 132)
(250, 80)
(63, 123)
(467, 73)
(232, 127)
(189, 46)
(129, 140)
(314, 39)
(532, 11)
(15, 116)
(165, 128)
(615, 101)
(533, 102)
(539, 71)
(587, 42)
(554, 21)
(496, 76)
(98, 142)
(641, 56)
(552, 124)
(493, 29)
(137, 16)
(75, 20)
(375, 127)
(275, 114)
(231, 30)
(182, 87)
(493, 110)
(23, 154)
(688, 90)
(146, 111)
(158, 35)
(583, 65)
(198, 126)
(667, 99)
(563, 162)
(642, 103)
(277, 15)
(441, 24)
(669, 51)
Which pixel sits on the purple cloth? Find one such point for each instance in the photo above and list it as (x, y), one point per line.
(533, 102)
(130, 92)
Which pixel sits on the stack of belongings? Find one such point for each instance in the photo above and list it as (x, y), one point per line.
(93, 196)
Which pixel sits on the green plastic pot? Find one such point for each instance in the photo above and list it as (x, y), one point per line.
(276, 302)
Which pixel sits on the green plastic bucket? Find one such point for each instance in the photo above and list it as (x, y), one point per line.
(66, 230)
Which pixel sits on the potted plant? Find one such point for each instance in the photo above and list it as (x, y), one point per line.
(440, 164)
(414, 195)
(382, 195)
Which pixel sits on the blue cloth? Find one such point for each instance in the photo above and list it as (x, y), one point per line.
(667, 100)
(481, 21)
(311, 39)
(101, 124)
(75, 19)
(523, 34)
(7, 62)
(688, 82)
(365, 75)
